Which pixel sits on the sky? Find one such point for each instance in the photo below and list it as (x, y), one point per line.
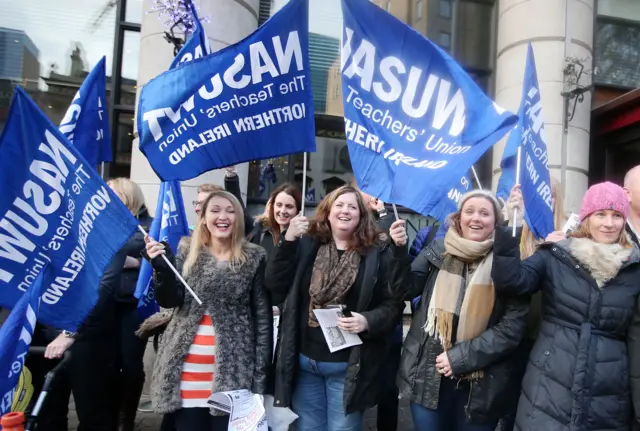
(55, 26)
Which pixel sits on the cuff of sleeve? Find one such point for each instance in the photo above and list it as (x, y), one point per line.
(456, 361)
(399, 252)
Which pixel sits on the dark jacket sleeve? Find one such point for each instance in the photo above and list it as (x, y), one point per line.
(494, 343)
(510, 275)
(169, 291)
(407, 279)
(386, 315)
(232, 185)
(385, 222)
(633, 346)
(263, 318)
(281, 267)
(100, 317)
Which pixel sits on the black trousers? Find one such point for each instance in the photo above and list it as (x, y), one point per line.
(194, 419)
(387, 419)
(129, 362)
(89, 376)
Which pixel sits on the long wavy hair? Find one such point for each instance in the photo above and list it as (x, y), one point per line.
(528, 242)
(584, 232)
(270, 220)
(366, 234)
(201, 238)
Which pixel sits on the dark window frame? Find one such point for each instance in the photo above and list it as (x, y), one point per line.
(122, 26)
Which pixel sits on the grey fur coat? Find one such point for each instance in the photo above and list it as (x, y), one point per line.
(242, 317)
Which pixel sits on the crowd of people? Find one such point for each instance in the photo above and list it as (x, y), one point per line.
(508, 332)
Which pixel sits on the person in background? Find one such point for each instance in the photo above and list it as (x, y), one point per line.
(425, 236)
(130, 348)
(336, 259)
(387, 414)
(584, 369)
(456, 358)
(92, 372)
(225, 344)
(632, 188)
(283, 204)
(232, 185)
(528, 245)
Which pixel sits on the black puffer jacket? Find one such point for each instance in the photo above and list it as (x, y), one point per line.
(492, 351)
(284, 272)
(585, 365)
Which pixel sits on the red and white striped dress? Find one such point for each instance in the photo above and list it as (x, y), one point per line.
(196, 382)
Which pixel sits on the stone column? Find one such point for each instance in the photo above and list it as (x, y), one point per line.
(544, 23)
(229, 21)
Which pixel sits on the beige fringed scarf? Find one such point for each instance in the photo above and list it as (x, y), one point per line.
(476, 304)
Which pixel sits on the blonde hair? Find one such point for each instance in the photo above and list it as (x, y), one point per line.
(129, 193)
(584, 232)
(208, 188)
(201, 237)
(528, 243)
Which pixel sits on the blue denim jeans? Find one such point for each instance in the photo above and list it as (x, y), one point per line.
(318, 397)
(450, 414)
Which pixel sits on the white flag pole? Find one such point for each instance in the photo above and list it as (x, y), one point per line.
(304, 181)
(475, 175)
(395, 211)
(515, 210)
(175, 271)
(102, 170)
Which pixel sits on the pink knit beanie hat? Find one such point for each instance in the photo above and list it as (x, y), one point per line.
(604, 196)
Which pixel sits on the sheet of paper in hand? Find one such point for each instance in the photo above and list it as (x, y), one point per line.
(337, 339)
(246, 410)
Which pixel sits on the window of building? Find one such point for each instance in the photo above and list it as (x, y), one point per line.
(49, 53)
(617, 43)
(419, 7)
(445, 8)
(444, 40)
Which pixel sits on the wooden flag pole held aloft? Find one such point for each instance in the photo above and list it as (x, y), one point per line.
(175, 271)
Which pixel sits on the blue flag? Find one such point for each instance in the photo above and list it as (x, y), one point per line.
(249, 101)
(170, 224)
(448, 204)
(86, 124)
(54, 208)
(196, 47)
(415, 121)
(15, 338)
(534, 178)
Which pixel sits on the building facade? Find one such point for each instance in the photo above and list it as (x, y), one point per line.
(587, 54)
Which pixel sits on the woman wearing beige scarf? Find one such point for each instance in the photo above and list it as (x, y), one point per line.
(456, 361)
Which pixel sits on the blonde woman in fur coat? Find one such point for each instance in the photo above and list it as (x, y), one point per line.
(584, 369)
(223, 344)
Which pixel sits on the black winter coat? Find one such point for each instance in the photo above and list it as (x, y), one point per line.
(492, 351)
(133, 247)
(584, 368)
(285, 269)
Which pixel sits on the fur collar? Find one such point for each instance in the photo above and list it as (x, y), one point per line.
(602, 260)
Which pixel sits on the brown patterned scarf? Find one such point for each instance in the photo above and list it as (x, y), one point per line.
(471, 297)
(332, 277)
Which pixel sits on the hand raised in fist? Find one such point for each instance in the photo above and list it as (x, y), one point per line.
(297, 227)
(398, 233)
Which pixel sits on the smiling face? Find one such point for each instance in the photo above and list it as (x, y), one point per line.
(220, 218)
(284, 209)
(477, 219)
(605, 226)
(344, 215)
